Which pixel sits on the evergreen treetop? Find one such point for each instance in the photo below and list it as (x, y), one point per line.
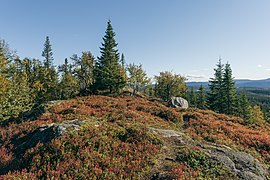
(228, 88)
(47, 53)
(215, 96)
(109, 74)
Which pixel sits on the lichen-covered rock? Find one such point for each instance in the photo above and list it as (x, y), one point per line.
(178, 102)
(239, 163)
(63, 128)
(48, 132)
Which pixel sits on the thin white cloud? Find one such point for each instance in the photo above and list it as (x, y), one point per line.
(259, 66)
(197, 78)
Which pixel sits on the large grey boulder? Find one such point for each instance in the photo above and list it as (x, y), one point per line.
(178, 102)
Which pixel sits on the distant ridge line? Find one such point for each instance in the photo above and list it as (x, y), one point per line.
(240, 83)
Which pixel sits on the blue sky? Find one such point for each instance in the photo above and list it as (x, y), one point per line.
(185, 36)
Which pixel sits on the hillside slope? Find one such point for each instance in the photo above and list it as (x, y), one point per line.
(100, 137)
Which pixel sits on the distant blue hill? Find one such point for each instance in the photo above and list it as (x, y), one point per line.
(239, 83)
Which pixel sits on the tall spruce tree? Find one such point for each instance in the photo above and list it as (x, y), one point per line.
(201, 98)
(109, 74)
(228, 90)
(216, 94)
(50, 76)
(47, 53)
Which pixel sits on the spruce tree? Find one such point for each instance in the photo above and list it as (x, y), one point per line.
(123, 61)
(192, 97)
(201, 98)
(244, 106)
(47, 53)
(109, 74)
(228, 90)
(65, 68)
(50, 77)
(216, 94)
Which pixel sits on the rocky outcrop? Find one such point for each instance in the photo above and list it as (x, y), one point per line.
(48, 132)
(178, 102)
(43, 134)
(63, 128)
(241, 164)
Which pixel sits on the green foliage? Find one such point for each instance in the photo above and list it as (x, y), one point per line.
(215, 96)
(137, 78)
(47, 53)
(7, 51)
(169, 85)
(229, 99)
(259, 96)
(68, 85)
(244, 106)
(201, 98)
(149, 89)
(192, 97)
(255, 116)
(83, 71)
(4, 84)
(49, 74)
(16, 95)
(20, 97)
(36, 77)
(123, 61)
(222, 96)
(109, 74)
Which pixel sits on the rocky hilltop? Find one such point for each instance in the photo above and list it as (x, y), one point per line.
(100, 137)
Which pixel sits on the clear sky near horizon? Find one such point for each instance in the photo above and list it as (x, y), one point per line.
(183, 36)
